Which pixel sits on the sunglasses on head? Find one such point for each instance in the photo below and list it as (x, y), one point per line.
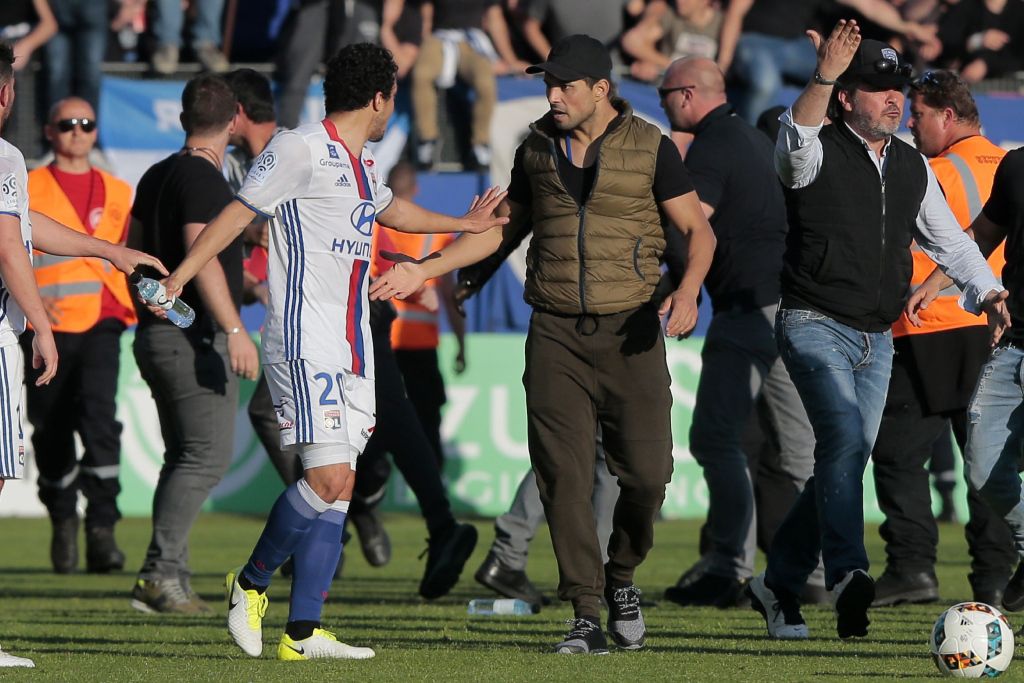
(931, 79)
(888, 66)
(66, 125)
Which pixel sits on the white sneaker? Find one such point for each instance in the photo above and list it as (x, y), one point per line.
(783, 618)
(9, 660)
(321, 645)
(246, 610)
(852, 597)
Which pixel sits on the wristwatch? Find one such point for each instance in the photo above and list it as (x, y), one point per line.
(821, 80)
(234, 330)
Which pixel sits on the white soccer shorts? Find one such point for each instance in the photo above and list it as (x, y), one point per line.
(321, 405)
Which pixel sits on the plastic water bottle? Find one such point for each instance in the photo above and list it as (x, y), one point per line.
(506, 606)
(154, 293)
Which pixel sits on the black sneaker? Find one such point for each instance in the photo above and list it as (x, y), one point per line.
(709, 590)
(1013, 594)
(625, 621)
(897, 588)
(101, 552)
(446, 557)
(512, 583)
(585, 637)
(853, 595)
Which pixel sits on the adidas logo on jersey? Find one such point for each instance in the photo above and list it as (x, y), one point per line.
(342, 181)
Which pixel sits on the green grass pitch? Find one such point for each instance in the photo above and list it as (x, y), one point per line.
(81, 628)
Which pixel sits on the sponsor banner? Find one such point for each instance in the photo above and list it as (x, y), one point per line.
(484, 429)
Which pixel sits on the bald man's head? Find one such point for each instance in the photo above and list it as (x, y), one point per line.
(692, 87)
(699, 71)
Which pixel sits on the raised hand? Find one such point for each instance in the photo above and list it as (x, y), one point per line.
(481, 214)
(836, 52)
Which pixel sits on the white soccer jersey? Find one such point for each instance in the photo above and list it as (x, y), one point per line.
(13, 202)
(322, 200)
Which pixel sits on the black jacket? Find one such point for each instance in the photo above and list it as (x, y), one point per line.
(848, 247)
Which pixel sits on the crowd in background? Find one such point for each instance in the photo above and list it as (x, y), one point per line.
(759, 44)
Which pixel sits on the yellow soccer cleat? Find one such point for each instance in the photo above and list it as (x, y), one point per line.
(321, 645)
(246, 610)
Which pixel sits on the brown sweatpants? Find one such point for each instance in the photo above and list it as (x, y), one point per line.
(580, 371)
(474, 69)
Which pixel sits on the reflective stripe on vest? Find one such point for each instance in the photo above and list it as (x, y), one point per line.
(974, 202)
(966, 186)
(78, 282)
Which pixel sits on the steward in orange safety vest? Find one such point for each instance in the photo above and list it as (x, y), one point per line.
(965, 171)
(76, 285)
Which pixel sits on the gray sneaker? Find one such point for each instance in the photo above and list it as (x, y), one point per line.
(211, 57)
(165, 60)
(625, 621)
(165, 596)
(584, 638)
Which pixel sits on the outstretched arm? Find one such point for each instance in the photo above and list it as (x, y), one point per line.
(406, 278)
(409, 217)
(56, 238)
(213, 239)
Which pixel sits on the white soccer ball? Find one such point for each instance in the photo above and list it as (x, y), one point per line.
(972, 640)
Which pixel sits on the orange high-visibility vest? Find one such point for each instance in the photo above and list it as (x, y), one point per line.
(77, 282)
(965, 171)
(415, 327)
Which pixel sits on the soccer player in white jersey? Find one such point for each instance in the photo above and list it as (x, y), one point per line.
(22, 230)
(322, 192)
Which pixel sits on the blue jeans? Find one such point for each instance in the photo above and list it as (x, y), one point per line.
(170, 19)
(762, 61)
(74, 55)
(995, 425)
(842, 376)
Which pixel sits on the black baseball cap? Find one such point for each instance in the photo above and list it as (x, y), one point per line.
(574, 58)
(878, 65)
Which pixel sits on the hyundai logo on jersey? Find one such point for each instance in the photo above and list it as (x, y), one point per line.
(362, 218)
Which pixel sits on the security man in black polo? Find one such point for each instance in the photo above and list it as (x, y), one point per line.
(730, 163)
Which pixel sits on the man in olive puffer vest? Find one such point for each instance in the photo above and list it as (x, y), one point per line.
(590, 180)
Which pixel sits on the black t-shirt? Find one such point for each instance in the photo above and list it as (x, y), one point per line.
(179, 190)
(461, 14)
(1005, 208)
(731, 164)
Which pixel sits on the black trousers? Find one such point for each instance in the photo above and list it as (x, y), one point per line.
(425, 387)
(400, 433)
(80, 398)
(904, 445)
